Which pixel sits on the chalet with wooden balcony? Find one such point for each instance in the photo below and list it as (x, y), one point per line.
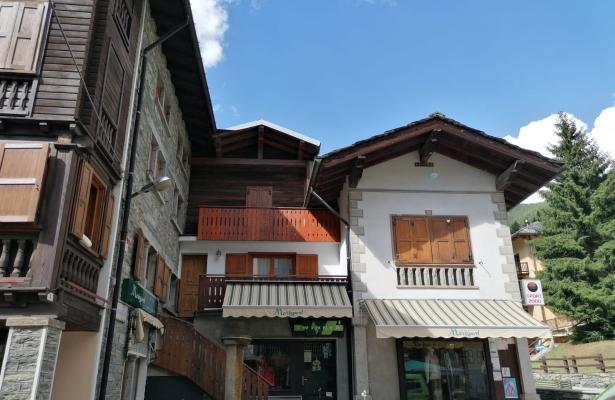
(258, 263)
(436, 300)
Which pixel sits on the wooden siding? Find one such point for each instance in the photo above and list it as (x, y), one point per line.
(271, 224)
(225, 186)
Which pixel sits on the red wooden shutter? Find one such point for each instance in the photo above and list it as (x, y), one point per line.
(193, 266)
(26, 37)
(237, 265)
(403, 239)
(159, 277)
(81, 202)
(108, 222)
(22, 170)
(461, 239)
(137, 270)
(441, 240)
(306, 265)
(259, 196)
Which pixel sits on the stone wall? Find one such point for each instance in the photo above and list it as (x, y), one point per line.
(597, 380)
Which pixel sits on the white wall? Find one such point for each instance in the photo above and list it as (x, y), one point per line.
(328, 253)
(398, 187)
(76, 366)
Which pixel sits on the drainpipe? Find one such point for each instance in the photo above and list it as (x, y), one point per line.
(119, 262)
(350, 341)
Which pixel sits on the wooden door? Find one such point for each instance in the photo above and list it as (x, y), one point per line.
(259, 196)
(193, 266)
(509, 360)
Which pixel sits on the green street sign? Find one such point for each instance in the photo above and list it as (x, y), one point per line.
(135, 295)
(317, 327)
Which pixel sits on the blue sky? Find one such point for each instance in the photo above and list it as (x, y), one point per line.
(344, 70)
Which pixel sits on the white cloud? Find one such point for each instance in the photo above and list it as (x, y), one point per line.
(537, 135)
(211, 21)
(235, 111)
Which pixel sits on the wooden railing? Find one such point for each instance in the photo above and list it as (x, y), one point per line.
(255, 387)
(523, 269)
(17, 95)
(271, 224)
(80, 272)
(559, 323)
(15, 256)
(572, 364)
(436, 276)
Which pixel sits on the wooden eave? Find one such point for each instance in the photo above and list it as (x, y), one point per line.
(187, 72)
(520, 172)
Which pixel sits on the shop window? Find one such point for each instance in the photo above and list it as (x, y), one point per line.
(92, 216)
(22, 28)
(431, 239)
(443, 369)
(272, 362)
(22, 171)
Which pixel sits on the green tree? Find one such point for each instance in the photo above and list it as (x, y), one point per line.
(578, 242)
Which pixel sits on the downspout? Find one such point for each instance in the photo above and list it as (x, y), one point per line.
(350, 341)
(119, 262)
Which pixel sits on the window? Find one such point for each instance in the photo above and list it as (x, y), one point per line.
(431, 240)
(93, 212)
(157, 164)
(22, 28)
(122, 15)
(177, 209)
(150, 269)
(163, 100)
(22, 172)
(272, 265)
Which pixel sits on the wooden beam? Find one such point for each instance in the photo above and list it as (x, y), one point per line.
(429, 146)
(356, 172)
(280, 146)
(261, 139)
(506, 178)
(218, 145)
(247, 161)
(300, 150)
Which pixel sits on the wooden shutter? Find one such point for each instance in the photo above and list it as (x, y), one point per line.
(8, 17)
(259, 196)
(442, 240)
(106, 235)
(137, 269)
(82, 200)
(166, 280)
(412, 241)
(237, 265)
(159, 278)
(306, 265)
(461, 240)
(403, 239)
(22, 170)
(193, 266)
(25, 42)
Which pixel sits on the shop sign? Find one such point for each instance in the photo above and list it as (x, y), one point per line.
(317, 327)
(287, 313)
(135, 295)
(465, 333)
(531, 291)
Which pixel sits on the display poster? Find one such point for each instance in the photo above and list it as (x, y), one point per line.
(510, 388)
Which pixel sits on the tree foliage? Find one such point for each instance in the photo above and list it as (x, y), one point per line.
(578, 242)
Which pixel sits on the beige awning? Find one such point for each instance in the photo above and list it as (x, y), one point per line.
(286, 300)
(452, 319)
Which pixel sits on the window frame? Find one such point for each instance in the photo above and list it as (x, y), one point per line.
(272, 257)
(429, 219)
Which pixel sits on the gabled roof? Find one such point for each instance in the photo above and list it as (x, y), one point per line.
(532, 229)
(520, 172)
(274, 127)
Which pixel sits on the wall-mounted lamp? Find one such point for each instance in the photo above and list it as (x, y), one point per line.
(434, 175)
(218, 253)
(160, 184)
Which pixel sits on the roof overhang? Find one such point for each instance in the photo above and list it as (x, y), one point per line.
(519, 172)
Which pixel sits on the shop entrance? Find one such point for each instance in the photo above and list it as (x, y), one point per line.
(296, 367)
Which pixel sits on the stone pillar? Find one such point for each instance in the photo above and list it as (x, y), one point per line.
(525, 369)
(361, 369)
(233, 377)
(30, 358)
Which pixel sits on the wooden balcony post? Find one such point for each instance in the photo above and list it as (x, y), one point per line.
(233, 378)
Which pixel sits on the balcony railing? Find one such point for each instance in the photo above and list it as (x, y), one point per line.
(213, 287)
(17, 95)
(80, 273)
(268, 224)
(15, 256)
(559, 324)
(523, 269)
(436, 276)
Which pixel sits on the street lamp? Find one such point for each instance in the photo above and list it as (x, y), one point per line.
(160, 184)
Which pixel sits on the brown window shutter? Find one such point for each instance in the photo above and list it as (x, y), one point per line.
(137, 270)
(403, 239)
(259, 196)
(106, 235)
(461, 240)
(442, 240)
(25, 43)
(306, 265)
(22, 170)
(193, 266)
(237, 265)
(421, 241)
(81, 202)
(159, 278)
(166, 279)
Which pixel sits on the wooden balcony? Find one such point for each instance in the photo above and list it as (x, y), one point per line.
(523, 270)
(268, 224)
(213, 287)
(15, 254)
(449, 276)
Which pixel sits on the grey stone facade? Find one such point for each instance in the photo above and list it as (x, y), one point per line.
(30, 359)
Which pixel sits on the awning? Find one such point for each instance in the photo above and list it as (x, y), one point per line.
(146, 318)
(286, 300)
(452, 319)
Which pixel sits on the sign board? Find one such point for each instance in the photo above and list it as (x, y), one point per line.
(531, 292)
(317, 327)
(135, 295)
(510, 388)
